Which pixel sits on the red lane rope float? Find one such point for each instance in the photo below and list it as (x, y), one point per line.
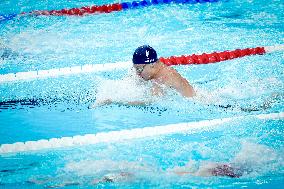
(81, 11)
(107, 8)
(207, 58)
(114, 7)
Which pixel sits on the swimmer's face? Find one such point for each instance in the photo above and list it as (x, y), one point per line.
(145, 70)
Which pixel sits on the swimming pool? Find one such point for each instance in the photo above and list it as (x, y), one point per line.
(56, 107)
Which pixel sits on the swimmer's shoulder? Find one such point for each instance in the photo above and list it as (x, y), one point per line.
(168, 75)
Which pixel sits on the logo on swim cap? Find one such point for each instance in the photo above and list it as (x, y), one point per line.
(144, 55)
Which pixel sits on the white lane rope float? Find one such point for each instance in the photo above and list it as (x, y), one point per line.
(92, 68)
(114, 136)
(87, 68)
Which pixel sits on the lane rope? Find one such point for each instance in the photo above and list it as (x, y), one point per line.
(114, 136)
(204, 58)
(87, 68)
(99, 9)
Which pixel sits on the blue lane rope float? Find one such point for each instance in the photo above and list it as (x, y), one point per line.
(107, 8)
(7, 17)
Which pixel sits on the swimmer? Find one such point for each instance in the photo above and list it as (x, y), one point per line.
(149, 68)
(161, 77)
(212, 169)
(133, 174)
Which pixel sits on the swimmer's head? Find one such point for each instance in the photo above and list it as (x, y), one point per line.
(143, 56)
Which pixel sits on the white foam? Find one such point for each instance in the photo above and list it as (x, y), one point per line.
(254, 154)
(114, 90)
(113, 136)
(100, 167)
(256, 159)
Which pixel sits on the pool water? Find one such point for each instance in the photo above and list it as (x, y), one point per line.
(59, 107)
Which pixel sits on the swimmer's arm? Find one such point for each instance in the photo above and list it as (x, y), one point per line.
(182, 172)
(135, 103)
(181, 85)
(109, 101)
(185, 88)
(174, 80)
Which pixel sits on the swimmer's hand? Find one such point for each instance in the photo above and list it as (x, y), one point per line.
(182, 172)
(109, 101)
(100, 103)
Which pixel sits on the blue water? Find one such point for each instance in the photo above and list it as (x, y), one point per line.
(249, 85)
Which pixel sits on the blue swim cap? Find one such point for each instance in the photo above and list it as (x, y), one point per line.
(144, 55)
